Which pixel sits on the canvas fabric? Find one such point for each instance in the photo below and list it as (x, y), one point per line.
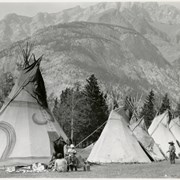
(147, 141)
(117, 144)
(26, 123)
(161, 134)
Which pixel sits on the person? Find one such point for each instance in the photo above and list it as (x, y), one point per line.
(172, 152)
(60, 164)
(71, 158)
(52, 161)
(59, 146)
(73, 162)
(71, 150)
(66, 148)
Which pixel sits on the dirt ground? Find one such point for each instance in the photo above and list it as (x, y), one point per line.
(152, 170)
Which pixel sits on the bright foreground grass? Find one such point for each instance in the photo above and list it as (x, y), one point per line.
(153, 170)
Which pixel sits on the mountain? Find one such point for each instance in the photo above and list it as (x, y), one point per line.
(158, 23)
(120, 57)
(130, 47)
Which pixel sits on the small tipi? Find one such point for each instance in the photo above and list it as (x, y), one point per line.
(117, 143)
(27, 127)
(140, 131)
(159, 131)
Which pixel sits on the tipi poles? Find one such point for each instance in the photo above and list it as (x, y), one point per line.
(137, 124)
(90, 134)
(17, 92)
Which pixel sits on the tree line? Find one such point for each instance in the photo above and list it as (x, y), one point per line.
(151, 107)
(80, 110)
(6, 84)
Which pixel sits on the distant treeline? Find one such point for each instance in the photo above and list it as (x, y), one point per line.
(81, 110)
(6, 84)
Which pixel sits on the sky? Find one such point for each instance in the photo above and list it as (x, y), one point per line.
(32, 7)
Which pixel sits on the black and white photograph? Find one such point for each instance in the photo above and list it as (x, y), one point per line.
(89, 89)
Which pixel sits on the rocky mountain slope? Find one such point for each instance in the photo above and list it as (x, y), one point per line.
(131, 47)
(120, 57)
(159, 23)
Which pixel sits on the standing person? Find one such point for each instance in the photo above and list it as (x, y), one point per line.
(66, 148)
(71, 150)
(60, 163)
(172, 152)
(72, 159)
(59, 146)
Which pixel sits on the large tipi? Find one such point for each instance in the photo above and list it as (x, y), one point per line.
(140, 131)
(27, 127)
(159, 130)
(117, 143)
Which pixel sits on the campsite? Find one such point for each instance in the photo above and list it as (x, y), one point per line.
(154, 170)
(90, 99)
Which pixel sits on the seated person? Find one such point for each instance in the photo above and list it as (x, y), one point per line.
(60, 164)
(52, 161)
(73, 162)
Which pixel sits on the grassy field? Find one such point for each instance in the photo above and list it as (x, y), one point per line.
(153, 170)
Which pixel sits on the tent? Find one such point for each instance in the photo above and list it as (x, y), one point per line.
(85, 151)
(159, 130)
(174, 127)
(140, 131)
(117, 143)
(27, 127)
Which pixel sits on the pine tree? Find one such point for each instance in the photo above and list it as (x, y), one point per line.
(98, 112)
(6, 84)
(148, 110)
(177, 111)
(62, 110)
(71, 112)
(166, 106)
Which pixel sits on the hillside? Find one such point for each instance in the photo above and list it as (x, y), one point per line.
(120, 57)
(158, 23)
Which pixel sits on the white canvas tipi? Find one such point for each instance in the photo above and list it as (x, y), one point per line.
(117, 143)
(141, 133)
(27, 127)
(159, 130)
(174, 127)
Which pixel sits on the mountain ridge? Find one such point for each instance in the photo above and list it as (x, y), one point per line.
(77, 49)
(122, 44)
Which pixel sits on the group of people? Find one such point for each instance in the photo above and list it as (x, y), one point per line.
(64, 158)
